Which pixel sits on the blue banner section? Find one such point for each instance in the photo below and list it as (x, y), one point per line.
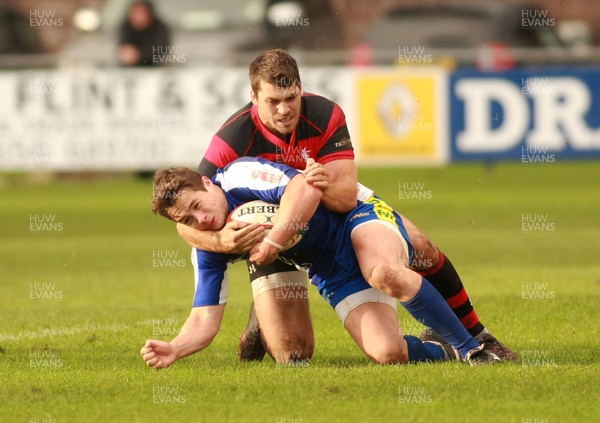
(531, 115)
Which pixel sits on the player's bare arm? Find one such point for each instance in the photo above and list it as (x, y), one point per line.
(234, 238)
(337, 179)
(197, 333)
(298, 204)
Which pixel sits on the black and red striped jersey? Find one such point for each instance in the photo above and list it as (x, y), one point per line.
(321, 134)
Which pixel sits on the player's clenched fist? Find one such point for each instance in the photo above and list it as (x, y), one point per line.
(158, 354)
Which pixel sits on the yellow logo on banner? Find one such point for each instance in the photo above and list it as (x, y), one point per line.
(397, 115)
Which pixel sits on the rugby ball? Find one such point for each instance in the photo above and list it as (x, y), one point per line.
(266, 214)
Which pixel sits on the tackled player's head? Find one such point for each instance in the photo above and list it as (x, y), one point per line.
(187, 197)
(169, 187)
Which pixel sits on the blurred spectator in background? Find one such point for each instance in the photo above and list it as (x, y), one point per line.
(142, 36)
(16, 35)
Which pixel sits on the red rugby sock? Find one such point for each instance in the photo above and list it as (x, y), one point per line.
(444, 277)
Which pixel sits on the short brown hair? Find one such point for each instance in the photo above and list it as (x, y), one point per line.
(168, 186)
(276, 67)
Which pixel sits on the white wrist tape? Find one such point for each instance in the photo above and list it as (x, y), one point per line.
(273, 244)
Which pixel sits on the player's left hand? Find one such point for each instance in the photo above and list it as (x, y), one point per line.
(263, 253)
(316, 175)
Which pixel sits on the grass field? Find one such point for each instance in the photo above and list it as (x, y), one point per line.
(88, 273)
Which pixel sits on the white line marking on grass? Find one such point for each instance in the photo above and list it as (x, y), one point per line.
(115, 327)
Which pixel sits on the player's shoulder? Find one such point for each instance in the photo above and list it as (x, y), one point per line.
(243, 170)
(238, 171)
(317, 102)
(319, 110)
(247, 163)
(239, 121)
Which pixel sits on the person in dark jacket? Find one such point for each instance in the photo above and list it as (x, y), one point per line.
(143, 37)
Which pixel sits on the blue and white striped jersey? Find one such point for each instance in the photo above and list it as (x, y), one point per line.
(247, 179)
(325, 248)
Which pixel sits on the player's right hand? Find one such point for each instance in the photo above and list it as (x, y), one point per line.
(158, 354)
(239, 237)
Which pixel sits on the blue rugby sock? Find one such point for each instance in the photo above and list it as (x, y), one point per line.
(430, 309)
(419, 351)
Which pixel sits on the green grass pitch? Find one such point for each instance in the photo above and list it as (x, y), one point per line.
(88, 273)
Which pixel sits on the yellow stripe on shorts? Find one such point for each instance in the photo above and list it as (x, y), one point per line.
(382, 210)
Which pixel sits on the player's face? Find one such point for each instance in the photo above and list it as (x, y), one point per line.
(278, 107)
(202, 210)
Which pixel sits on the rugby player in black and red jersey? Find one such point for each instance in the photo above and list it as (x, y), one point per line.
(285, 125)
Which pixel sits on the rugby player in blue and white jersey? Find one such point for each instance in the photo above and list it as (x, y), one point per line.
(348, 255)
